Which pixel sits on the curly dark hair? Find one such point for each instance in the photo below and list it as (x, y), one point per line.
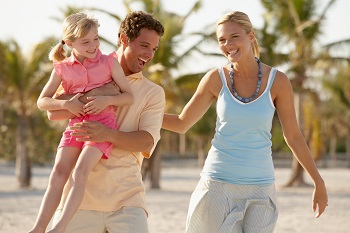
(135, 21)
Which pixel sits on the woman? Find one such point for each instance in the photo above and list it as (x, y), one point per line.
(236, 192)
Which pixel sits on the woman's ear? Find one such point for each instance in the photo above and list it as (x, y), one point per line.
(252, 36)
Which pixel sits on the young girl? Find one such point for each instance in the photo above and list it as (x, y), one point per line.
(84, 70)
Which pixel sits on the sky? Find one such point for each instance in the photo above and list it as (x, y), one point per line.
(29, 22)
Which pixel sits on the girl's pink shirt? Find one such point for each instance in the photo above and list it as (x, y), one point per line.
(82, 77)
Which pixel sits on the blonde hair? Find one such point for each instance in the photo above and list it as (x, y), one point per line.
(74, 26)
(243, 20)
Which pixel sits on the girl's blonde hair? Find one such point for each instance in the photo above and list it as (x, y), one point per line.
(243, 20)
(74, 26)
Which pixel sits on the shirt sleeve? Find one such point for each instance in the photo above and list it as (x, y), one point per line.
(151, 118)
(111, 58)
(58, 69)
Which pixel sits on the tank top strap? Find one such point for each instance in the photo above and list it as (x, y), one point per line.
(271, 78)
(222, 76)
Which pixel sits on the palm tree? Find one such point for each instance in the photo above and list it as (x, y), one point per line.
(298, 24)
(337, 110)
(2, 97)
(23, 77)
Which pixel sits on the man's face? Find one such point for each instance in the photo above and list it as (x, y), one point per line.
(140, 51)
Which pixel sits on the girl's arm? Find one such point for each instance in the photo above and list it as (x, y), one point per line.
(108, 89)
(197, 106)
(295, 140)
(98, 103)
(46, 102)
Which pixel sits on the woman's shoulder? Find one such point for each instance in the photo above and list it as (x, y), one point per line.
(212, 82)
(212, 74)
(281, 84)
(279, 77)
(211, 77)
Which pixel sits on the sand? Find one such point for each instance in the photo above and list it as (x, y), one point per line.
(168, 206)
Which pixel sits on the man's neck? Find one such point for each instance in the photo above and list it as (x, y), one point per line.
(121, 59)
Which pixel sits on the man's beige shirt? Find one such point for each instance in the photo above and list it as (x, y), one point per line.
(117, 181)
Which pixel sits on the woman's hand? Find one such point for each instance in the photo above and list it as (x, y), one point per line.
(319, 199)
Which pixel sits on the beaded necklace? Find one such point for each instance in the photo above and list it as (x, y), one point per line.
(246, 100)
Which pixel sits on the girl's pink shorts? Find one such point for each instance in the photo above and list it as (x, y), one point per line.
(107, 119)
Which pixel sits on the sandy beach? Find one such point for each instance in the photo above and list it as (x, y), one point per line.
(168, 206)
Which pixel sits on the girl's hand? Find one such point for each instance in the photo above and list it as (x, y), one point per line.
(95, 105)
(75, 106)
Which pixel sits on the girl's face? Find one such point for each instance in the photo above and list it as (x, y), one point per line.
(87, 46)
(233, 41)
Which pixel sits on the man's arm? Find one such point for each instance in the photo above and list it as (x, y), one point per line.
(142, 140)
(138, 141)
(106, 90)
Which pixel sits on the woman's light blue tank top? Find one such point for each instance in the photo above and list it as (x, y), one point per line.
(241, 147)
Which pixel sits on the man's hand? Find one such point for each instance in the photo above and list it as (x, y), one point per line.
(90, 131)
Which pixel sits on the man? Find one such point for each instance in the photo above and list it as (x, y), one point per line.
(114, 199)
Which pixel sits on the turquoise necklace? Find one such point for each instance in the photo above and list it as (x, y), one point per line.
(246, 100)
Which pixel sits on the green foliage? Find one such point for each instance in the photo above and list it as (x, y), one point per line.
(22, 79)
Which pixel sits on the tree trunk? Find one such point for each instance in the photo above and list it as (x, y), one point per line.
(151, 167)
(348, 149)
(333, 151)
(201, 153)
(182, 145)
(23, 166)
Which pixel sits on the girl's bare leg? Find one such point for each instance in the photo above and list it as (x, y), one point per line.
(88, 158)
(66, 158)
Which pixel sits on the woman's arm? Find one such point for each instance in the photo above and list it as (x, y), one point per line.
(295, 139)
(207, 91)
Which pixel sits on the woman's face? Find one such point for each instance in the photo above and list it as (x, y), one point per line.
(234, 41)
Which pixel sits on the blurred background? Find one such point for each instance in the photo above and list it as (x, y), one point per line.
(309, 40)
(306, 39)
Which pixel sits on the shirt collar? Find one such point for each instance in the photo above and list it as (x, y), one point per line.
(72, 59)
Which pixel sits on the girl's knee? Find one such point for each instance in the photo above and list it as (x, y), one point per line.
(60, 173)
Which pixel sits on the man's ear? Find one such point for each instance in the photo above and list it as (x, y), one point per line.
(124, 39)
